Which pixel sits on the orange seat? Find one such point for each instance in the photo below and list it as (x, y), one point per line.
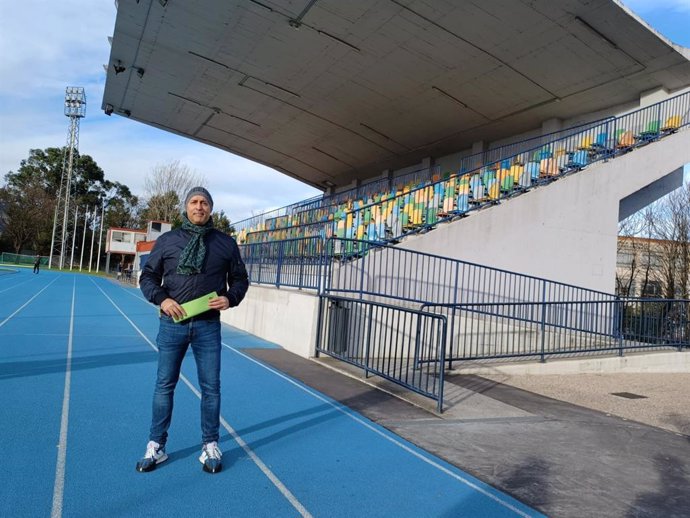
(626, 139)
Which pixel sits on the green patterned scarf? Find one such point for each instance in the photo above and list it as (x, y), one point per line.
(193, 255)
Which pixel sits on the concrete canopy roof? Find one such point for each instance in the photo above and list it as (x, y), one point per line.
(331, 91)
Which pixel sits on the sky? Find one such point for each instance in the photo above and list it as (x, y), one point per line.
(47, 45)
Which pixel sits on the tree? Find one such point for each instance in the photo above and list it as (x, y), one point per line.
(222, 223)
(29, 196)
(165, 188)
(659, 244)
(634, 253)
(672, 228)
(164, 207)
(23, 217)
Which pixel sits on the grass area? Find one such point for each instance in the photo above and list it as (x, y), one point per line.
(11, 266)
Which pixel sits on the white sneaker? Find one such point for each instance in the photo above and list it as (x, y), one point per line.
(211, 457)
(155, 454)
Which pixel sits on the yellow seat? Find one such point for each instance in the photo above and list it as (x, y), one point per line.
(586, 142)
(672, 123)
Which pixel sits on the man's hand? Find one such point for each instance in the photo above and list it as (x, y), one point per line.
(172, 309)
(220, 303)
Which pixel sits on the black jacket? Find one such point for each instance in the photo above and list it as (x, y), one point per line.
(223, 271)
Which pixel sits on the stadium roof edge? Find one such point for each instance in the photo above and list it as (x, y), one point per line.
(344, 91)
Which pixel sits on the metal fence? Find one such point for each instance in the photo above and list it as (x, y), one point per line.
(402, 314)
(297, 263)
(539, 329)
(376, 271)
(402, 345)
(656, 322)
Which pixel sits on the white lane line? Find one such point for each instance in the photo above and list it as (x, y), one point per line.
(469, 483)
(27, 302)
(58, 489)
(349, 414)
(262, 466)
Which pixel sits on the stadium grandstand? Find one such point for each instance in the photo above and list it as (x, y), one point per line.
(475, 164)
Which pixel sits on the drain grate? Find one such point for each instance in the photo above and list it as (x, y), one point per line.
(628, 395)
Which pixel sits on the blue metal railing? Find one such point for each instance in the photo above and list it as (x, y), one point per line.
(493, 330)
(365, 269)
(402, 345)
(297, 263)
(371, 292)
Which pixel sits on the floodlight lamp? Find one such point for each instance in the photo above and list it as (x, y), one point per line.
(118, 67)
(109, 109)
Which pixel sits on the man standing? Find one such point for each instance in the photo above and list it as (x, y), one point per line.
(185, 264)
(37, 263)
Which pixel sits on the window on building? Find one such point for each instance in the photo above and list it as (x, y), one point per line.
(652, 289)
(122, 237)
(156, 226)
(625, 258)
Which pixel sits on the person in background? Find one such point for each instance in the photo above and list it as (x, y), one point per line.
(37, 263)
(185, 264)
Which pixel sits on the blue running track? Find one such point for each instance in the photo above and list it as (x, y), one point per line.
(77, 367)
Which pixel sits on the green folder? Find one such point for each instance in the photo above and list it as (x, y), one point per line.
(197, 306)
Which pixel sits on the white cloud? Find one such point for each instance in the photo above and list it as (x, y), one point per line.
(47, 46)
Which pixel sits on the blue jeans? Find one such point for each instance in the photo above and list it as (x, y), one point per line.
(173, 341)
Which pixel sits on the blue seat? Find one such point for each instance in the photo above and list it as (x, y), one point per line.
(579, 159)
(533, 169)
(463, 203)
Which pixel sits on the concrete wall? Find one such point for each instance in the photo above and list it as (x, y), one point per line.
(287, 317)
(659, 362)
(565, 231)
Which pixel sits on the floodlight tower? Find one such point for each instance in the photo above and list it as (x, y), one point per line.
(75, 109)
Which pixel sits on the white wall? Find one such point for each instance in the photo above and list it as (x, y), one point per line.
(284, 316)
(565, 231)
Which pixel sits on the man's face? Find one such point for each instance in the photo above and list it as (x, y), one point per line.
(198, 210)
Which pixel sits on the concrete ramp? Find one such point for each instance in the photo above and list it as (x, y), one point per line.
(567, 230)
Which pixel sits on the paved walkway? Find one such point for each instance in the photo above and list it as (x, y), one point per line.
(657, 399)
(564, 459)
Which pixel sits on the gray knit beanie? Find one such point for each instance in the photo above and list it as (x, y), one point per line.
(198, 191)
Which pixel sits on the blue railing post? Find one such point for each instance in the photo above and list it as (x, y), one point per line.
(455, 303)
(441, 362)
(368, 341)
(620, 306)
(361, 267)
(543, 322)
(279, 267)
(684, 332)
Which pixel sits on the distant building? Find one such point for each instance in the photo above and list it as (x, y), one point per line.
(132, 246)
(642, 267)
